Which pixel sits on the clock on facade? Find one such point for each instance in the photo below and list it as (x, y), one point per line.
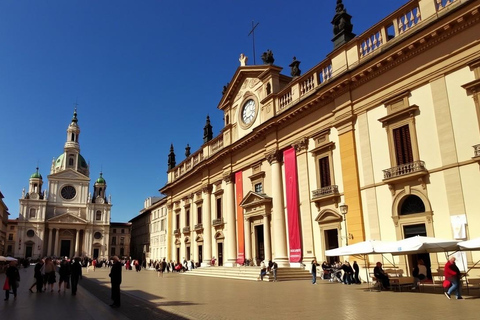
(68, 192)
(249, 111)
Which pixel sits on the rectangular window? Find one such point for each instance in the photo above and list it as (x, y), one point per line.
(162, 225)
(187, 217)
(199, 215)
(9, 248)
(122, 252)
(98, 215)
(219, 208)
(114, 240)
(403, 145)
(178, 221)
(324, 168)
(122, 231)
(122, 240)
(114, 230)
(10, 236)
(258, 188)
(112, 251)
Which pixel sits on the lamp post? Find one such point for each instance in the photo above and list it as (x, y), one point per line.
(344, 210)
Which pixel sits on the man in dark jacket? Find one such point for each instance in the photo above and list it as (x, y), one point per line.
(13, 277)
(76, 271)
(116, 280)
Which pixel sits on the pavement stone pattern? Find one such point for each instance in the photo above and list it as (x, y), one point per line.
(146, 296)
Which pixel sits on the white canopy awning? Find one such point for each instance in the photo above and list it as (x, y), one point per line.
(418, 244)
(365, 247)
(473, 244)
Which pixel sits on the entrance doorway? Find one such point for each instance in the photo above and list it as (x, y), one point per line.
(220, 253)
(412, 231)
(96, 253)
(200, 254)
(331, 242)
(259, 244)
(65, 248)
(28, 252)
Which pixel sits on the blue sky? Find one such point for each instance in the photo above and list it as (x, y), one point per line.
(145, 74)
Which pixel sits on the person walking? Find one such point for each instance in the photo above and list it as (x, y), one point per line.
(37, 274)
(116, 280)
(50, 273)
(419, 273)
(64, 272)
(313, 270)
(356, 271)
(76, 270)
(452, 274)
(13, 277)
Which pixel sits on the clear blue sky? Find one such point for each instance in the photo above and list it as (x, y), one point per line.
(145, 74)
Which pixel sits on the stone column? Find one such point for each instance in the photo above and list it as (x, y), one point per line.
(231, 236)
(50, 242)
(301, 148)
(57, 239)
(267, 238)
(76, 242)
(207, 225)
(248, 240)
(278, 210)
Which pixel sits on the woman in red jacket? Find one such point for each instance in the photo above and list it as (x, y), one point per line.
(452, 274)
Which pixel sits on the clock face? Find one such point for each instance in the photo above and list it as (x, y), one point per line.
(68, 192)
(249, 111)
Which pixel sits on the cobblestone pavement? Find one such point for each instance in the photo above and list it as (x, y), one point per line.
(177, 296)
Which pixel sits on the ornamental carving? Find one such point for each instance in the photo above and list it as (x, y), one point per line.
(228, 177)
(273, 156)
(207, 188)
(301, 145)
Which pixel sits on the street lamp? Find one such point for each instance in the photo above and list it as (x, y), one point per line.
(344, 210)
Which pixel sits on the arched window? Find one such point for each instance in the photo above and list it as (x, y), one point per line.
(33, 213)
(412, 204)
(98, 215)
(70, 162)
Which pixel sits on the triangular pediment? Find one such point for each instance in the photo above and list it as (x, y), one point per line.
(245, 78)
(68, 174)
(66, 218)
(255, 199)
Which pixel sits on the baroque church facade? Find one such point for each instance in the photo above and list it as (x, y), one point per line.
(64, 219)
(380, 140)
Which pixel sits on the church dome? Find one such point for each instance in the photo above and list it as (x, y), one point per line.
(36, 175)
(100, 179)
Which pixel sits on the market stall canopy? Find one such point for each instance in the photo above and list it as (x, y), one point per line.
(418, 244)
(364, 247)
(6, 259)
(473, 244)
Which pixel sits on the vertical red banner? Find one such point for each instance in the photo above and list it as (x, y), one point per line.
(291, 184)
(240, 222)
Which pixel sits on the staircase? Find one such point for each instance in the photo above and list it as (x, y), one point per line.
(250, 273)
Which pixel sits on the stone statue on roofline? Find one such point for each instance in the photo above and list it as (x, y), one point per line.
(295, 70)
(342, 26)
(267, 57)
(243, 60)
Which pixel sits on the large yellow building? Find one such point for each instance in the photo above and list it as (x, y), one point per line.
(387, 124)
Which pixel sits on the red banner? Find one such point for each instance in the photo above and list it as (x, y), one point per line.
(240, 223)
(290, 161)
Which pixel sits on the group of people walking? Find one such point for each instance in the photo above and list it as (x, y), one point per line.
(341, 272)
(69, 272)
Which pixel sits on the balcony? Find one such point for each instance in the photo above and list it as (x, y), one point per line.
(176, 232)
(325, 194)
(199, 227)
(406, 171)
(217, 222)
(186, 229)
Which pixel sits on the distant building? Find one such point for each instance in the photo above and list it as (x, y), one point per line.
(388, 124)
(120, 239)
(3, 224)
(140, 239)
(12, 226)
(66, 219)
(159, 240)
